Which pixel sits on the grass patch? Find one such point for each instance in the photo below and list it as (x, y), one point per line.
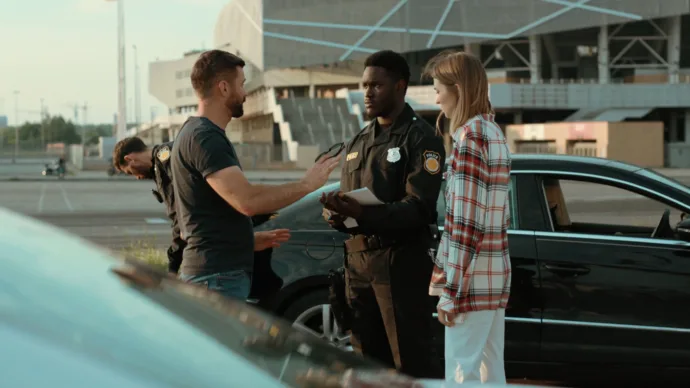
(143, 251)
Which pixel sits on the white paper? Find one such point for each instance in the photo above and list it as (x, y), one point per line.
(350, 223)
(364, 196)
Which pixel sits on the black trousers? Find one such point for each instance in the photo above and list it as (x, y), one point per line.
(388, 292)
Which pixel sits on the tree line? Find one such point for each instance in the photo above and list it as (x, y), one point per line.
(53, 129)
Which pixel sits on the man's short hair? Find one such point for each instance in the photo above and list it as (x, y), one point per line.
(395, 65)
(125, 147)
(211, 65)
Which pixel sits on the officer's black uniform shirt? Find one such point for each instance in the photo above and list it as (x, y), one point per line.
(403, 166)
(219, 238)
(162, 175)
(164, 193)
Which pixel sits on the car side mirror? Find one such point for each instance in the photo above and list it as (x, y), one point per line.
(683, 230)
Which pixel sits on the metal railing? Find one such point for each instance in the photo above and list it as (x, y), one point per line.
(535, 148)
(256, 155)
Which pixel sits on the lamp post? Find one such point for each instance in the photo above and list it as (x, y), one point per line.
(121, 89)
(137, 88)
(16, 126)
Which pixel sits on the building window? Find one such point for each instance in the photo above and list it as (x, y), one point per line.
(189, 92)
(179, 93)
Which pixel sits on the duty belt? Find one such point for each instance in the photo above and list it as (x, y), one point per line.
(361, 243)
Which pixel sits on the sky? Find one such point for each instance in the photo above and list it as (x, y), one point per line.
(65, 51)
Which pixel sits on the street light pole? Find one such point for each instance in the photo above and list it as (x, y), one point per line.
(16, 126)
(137, 88)
(43, 127)
(121, 86)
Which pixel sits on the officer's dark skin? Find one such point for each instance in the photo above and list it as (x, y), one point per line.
(385, 100)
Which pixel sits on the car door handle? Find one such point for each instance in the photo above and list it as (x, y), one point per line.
(567, 269)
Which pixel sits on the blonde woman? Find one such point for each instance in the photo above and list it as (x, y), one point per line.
(472, 273)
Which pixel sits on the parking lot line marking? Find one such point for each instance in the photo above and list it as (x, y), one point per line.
(40, 199)
(64, 197)
(156, 221)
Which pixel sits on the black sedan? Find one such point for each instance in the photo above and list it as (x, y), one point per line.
(596, 295)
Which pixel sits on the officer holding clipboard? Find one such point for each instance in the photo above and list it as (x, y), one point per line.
(399, 158)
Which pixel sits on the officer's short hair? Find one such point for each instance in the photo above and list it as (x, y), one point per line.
(395, 65)
(125, 147)
(209, 67)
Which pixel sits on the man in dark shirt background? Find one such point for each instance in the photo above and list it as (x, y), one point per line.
(214, 199)
(133, 157)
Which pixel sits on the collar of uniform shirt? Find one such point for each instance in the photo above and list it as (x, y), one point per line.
(398, 125)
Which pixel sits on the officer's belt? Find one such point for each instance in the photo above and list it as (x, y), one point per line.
(362, 243)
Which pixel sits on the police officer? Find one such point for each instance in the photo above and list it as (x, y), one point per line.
(399, 157)
(133, 157)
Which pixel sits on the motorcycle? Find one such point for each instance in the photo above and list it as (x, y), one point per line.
(54, 169)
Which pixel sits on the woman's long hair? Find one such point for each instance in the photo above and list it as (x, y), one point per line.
(464, 74)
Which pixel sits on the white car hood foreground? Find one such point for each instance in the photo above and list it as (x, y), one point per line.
(443, 384)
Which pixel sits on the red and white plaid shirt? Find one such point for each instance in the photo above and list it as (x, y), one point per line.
(472, 271)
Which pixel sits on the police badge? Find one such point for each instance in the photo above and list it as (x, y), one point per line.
(432, 162)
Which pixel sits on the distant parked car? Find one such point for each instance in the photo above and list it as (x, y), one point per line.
(590, 300)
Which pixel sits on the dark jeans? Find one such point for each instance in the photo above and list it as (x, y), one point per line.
(233, 284)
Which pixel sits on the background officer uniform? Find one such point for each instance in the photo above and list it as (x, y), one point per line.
(388, 263)
(162, 175)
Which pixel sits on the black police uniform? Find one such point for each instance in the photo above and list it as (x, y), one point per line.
(388, 265)
(162, 175)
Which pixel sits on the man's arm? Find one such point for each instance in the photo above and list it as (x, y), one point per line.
(423, 186)
(213, 159)
(249, 199)
(465, 220)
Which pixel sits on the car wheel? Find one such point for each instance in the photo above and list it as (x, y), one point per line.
(312, 314)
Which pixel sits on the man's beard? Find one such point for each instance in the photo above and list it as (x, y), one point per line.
(236, 110)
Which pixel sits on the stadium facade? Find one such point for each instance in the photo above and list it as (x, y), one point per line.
(549, 61)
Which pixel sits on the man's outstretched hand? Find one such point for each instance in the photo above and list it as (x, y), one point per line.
(318, 174)
(270, 239)
(337, 201)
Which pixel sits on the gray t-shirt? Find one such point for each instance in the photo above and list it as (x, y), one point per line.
(219, 238)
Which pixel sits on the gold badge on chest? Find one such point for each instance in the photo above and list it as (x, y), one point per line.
(351, 156)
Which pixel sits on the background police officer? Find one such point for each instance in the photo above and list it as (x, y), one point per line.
(400, 159)
(133, 157)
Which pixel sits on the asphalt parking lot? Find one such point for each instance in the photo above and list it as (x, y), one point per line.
(120, 213)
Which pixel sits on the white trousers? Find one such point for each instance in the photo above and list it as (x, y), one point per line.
(474, 348)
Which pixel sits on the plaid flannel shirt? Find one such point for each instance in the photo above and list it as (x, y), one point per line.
(472, 271)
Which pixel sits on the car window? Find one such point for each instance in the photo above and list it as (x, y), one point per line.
(579, 206)
(512, 198)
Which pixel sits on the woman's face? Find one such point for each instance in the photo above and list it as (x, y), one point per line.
(446, 97)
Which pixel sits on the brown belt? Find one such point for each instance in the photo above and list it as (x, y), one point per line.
(362, 243)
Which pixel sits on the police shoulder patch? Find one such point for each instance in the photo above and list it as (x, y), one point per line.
(163, 154)
(432, 162)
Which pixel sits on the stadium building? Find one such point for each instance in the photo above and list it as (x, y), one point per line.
(607, 78)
